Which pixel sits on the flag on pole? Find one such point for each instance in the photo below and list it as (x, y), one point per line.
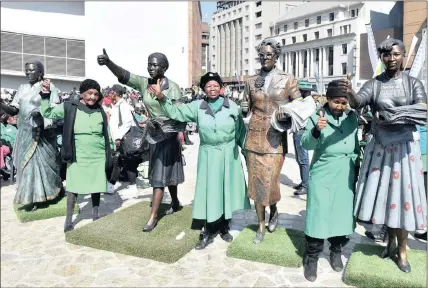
(420, 57)
(412, 48)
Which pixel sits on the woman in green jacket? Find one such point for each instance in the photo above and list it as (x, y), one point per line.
(220, 185)
(86, 145)
(332, 134)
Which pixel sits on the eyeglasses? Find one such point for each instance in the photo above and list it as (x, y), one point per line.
(268, 55)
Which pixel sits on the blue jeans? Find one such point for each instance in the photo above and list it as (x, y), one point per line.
(302, 158)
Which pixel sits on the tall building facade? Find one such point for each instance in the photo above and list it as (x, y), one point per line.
(415, 20)
(324, 37)
(205, 47)
(68, 36)
(236, 30)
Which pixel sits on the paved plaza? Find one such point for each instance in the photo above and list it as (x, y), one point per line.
(36, 254)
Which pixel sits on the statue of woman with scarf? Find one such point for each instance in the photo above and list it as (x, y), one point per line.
(36, 156)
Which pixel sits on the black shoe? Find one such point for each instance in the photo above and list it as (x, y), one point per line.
(336, 260)
(301, 191)
(380, 236)
(297, 187)
(148, 228)
(175, 207)
(95, 214)
(390, 250)
(204, 241)
(273, 221)
(226, 237)
(422, 236)
(405, 267)
(68, 228)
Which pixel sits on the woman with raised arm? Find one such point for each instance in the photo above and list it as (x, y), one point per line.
(390, 186)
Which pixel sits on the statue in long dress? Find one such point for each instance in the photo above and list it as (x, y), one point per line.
(35, 154)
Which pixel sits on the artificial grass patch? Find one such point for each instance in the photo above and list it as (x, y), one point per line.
(284, 247)
(49, 209)
(366, 268)
(121, 232)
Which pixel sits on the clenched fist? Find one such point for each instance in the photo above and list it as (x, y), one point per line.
(103, 59)
(322, 121)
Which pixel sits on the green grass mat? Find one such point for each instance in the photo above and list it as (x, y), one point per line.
(365, 268)
(121, 232)
(284, 247)
(49, 209)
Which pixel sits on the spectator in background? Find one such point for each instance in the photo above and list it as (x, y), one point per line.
(121, 120)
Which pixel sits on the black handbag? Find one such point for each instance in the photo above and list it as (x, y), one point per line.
(134, 143)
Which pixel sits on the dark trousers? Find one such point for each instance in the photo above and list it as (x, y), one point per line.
(130, 165)
(302, 158)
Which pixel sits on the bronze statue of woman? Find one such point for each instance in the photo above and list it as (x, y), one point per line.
(266, 147)
(36, 151)
(166, 166)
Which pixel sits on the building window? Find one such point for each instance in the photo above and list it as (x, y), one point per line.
(296, 25)
(247, 39)
(246, 72)
(330, 61)
(213, 47)
(293, 39)
(247, 17)
(258, 37)
(318, 19)
(277, 31)
(344, 70)
(305, 37)
(246, 50)
(234, 12)
(259, 14)
(239, 10)
(344, 49)
(329, 32)
(349, 28)
(271, 31)
(258, 25)
(317, 55)
(60, 56)
(285, 28)
(317, 35)
(247, 28)
(283, 42)
(258, 3)
(352, 13)
(307, 23)
(246, 61)
(247, 8)
(331, 16)
(345, 29)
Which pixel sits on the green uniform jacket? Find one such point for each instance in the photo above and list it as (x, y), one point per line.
(87, 175)
(331, 187)
(220, 185)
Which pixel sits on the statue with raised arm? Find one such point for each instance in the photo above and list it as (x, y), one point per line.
(166, 165)
(35, 155)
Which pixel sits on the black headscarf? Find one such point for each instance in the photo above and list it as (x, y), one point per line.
(333, 90)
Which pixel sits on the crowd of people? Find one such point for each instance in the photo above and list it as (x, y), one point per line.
(103, 127)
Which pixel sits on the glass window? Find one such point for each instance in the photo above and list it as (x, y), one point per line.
(318, 19)
(331, 16)
(296, 25)
(307, 23)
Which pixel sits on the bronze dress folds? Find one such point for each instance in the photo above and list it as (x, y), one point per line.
(266, 147)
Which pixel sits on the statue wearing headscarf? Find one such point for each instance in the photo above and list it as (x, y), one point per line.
(35, 154)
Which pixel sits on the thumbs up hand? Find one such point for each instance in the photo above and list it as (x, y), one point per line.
(322, 121)
(103, 59)
(345, 85)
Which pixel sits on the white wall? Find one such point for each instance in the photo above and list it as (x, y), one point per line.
(13, 82)
(130, 31)
(50, 19)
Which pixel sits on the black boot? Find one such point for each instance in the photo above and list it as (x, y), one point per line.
(336, 244)
(204, 240)
(310, 259)
(224, 231)
(71, 201)
(95, 213)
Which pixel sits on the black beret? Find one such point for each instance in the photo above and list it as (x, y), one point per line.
(333, 90)
(209, 77)
(89, 84)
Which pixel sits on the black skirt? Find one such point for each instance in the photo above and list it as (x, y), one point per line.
(166, 163)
